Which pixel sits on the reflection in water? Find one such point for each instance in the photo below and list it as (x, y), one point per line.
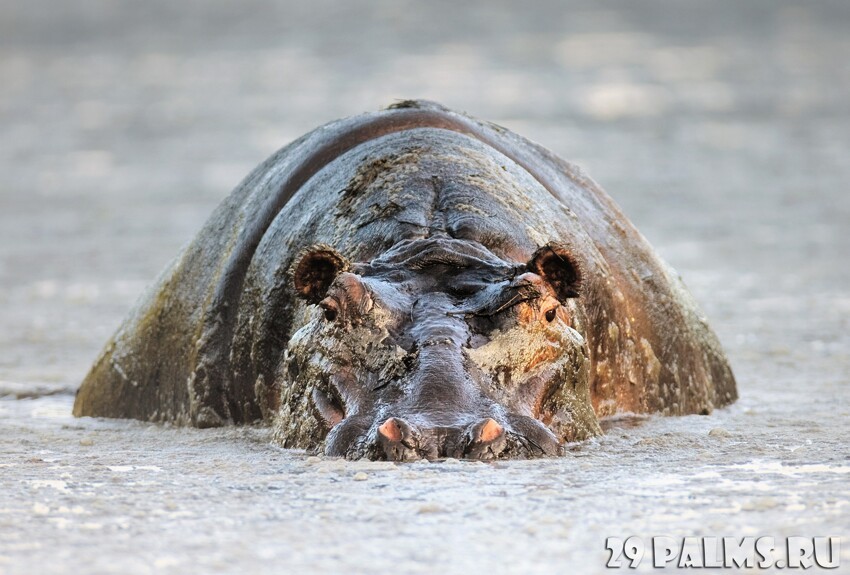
(623, 421)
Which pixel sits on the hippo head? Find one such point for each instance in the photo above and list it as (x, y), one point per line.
(437, 348)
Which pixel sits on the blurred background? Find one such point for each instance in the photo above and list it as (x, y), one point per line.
(722, 128)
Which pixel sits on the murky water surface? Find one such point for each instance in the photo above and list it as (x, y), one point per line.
(722, 129)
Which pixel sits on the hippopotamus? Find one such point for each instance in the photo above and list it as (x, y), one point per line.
(413, 283)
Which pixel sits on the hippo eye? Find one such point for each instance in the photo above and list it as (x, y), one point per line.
(551, 314)
(330, 307)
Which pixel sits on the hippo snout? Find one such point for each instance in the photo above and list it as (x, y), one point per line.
(396, 439)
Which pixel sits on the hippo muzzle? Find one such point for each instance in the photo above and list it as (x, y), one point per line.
(437, 349)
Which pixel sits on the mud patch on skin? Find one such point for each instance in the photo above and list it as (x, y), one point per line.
(315, 354)
(524, 359)
(568, 411)
(377, 190)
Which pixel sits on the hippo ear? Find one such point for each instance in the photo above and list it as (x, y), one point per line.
(555, 264)
(314, 271)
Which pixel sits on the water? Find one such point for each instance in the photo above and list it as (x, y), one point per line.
(721, 131)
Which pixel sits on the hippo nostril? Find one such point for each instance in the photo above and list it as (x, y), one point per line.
(398, 440)
(390, 430)
(489, 431)
(486, 440)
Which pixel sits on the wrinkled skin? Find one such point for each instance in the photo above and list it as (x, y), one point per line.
(437, 349)
(413, 283)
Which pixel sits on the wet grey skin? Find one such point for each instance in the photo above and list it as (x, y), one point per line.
(407, 284)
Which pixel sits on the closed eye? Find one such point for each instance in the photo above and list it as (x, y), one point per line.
(503, 301)
(465, 289)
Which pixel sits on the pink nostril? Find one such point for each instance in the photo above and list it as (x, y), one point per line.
(390, 430)
(490, 431)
